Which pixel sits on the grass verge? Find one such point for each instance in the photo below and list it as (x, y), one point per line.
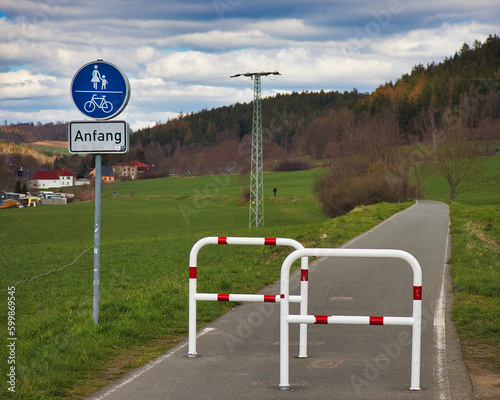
(146, 238)
(475, 271)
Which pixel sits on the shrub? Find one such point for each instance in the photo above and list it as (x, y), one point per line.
(84, 193)
(341, 190)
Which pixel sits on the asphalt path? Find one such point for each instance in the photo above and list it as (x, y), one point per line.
(239, 352)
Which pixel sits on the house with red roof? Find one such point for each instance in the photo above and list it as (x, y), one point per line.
(66, 177)
(130, 170)
(52, 179)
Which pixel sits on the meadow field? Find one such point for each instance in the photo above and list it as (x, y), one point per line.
(148, 229)
(50, 147)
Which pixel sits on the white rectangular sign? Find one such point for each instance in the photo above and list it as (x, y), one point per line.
(99, 137)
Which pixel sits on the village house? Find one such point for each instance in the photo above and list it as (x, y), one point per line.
(107, 174)
(130, 170)
(52, 179)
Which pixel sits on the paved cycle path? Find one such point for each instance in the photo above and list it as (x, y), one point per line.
(239, 352)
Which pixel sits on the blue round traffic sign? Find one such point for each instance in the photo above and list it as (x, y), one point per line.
(100, 90)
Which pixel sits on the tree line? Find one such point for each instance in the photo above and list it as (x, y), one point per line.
(314, 124)
(335, 126)
(30, 132)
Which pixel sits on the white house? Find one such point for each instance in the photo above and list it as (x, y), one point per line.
(66, 177)
(52, 179)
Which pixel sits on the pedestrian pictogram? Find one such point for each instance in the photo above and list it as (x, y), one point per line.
(100, 90)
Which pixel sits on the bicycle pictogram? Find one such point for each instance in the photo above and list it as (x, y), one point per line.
(104, 105)
(100, 90)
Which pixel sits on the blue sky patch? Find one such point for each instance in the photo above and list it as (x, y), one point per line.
(16, 68)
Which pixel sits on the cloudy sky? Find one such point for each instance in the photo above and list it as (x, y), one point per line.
(179, 54)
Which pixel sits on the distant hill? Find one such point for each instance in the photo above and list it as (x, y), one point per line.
(469, 81)
(24, 151)
(311, 123)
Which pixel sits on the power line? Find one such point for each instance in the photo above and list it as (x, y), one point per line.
(55, 270)
(182, 83)
(200, 81)
(133, 88)
(286, 77)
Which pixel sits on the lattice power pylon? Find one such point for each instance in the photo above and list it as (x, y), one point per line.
(256, 205)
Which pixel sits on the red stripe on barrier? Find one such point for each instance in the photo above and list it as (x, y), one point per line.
(270, 241)
(304, 275)
(222, 240)
(222, 297)
(321, 319)
(376, 320)
(282, 296)
(417, 292)
(269, 298)
(192, 272)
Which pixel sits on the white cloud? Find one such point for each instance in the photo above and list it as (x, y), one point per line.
(43, 116)
(23, 83)
(151, 119)
(442, 41)
(179, 55)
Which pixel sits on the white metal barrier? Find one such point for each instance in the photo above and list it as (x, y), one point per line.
(194, 296)
(414, 321)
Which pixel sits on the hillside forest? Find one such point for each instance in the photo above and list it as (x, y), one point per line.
(460, 94)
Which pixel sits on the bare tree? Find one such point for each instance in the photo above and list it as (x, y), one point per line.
(421, 170)
(7, 179)
(456, 159)
(488, 131)
(155, 156)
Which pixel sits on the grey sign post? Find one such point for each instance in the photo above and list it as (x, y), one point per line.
(100, 91)
(97, 237)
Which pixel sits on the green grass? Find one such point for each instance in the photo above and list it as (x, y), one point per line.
(148, 230)
(475, 268)
(476, 271)
(49, 150)
(289, 184)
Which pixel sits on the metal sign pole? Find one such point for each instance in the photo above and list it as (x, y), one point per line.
(100, 91)
(97, 234)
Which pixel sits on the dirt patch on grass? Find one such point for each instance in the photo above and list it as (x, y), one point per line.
(475, 228)
(485, 376)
